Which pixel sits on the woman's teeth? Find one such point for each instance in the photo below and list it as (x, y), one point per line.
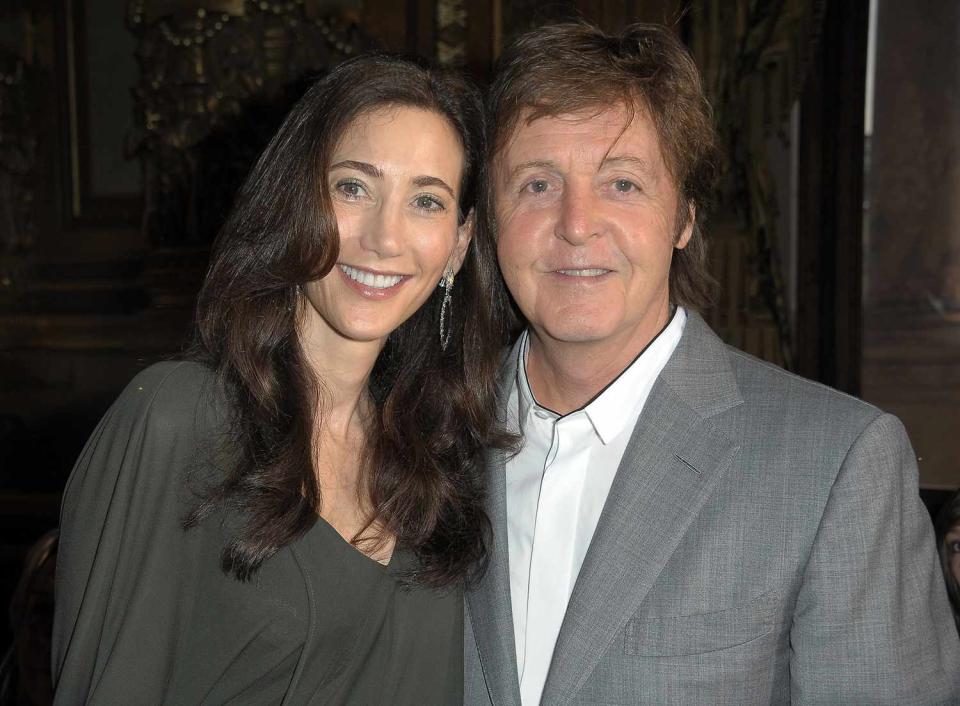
(369, 279)
(594, 272)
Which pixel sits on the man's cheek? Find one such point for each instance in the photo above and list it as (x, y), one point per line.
(510, 242)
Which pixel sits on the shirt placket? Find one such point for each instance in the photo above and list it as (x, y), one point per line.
(552, 573)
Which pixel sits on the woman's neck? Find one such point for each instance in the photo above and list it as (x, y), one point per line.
(343, 367)
(344, 408)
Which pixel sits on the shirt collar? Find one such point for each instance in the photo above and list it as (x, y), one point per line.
(619, 404)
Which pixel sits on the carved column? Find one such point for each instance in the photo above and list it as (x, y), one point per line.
(18, 172)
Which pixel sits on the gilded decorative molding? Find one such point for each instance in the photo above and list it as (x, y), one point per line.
(216, 75)
(451, 32)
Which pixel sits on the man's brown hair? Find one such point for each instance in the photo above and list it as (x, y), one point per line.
(565, 68)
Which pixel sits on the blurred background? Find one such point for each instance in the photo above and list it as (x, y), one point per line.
(127, 125)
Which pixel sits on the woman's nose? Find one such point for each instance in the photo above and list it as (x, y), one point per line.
(383, 232)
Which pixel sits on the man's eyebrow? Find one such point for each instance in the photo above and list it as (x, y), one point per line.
(434, 181)
(368, 169)
(532, 164)
(640, 164)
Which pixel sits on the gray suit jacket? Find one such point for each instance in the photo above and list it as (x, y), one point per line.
(763, 543)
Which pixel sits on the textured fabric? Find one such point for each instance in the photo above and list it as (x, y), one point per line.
(763, 543)
(557, 485)
(144, 614)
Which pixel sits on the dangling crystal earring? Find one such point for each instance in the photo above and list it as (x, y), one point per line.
(446, 313)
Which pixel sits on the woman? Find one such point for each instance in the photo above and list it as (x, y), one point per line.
(286, 518)
(947, 528)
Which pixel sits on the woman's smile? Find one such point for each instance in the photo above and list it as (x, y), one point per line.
(370, 283)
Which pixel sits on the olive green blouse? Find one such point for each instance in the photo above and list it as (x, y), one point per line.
(144, 614)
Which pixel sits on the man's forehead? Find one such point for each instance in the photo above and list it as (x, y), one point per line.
(590, 116)
(590, 128)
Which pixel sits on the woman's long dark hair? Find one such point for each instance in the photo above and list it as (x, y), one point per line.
(435, 410)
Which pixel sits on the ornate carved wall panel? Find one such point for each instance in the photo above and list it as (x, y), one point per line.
(216, 78)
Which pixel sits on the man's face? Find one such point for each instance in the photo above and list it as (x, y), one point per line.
(586, 213)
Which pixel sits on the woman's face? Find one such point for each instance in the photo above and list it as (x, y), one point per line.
(394, 180)
(952, 542)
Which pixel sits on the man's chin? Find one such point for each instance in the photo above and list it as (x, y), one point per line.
(577, 334)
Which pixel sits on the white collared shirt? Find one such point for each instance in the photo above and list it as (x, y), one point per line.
(556, 488)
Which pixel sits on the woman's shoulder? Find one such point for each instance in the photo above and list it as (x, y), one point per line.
(174, 401)
(160, 429)
(175, 395)
(172, 376)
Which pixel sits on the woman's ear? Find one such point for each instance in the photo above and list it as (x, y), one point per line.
(464, 236)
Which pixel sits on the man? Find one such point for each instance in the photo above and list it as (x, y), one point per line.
(683, 524)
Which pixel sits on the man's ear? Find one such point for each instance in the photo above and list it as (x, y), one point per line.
(464, 236)
(683, 237)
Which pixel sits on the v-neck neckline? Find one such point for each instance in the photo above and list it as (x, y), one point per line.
(395, 564)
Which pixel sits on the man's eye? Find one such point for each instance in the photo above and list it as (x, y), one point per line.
(954, 547)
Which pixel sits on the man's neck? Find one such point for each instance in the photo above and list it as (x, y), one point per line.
(564, 376)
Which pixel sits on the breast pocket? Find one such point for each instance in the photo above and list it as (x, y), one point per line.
(675, 635)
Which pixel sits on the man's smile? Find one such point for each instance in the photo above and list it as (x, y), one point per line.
(583, 272)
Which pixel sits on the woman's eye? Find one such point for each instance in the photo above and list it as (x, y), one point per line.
(428, 203)
(954, 547)
(624, 186)
(350, 189)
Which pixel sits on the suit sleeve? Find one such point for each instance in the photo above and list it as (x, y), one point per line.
(872, 624)
(123, 567)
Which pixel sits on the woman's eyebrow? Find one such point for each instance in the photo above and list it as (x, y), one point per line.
(364, 167)
(422, 181)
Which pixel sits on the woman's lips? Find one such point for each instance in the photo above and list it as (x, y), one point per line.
(373, 285)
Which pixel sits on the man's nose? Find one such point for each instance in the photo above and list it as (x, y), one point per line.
(579, 218)
(383, 231)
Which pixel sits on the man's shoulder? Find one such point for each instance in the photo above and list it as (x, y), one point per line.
(767, 387)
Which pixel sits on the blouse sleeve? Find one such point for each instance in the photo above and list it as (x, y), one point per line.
(125, 564)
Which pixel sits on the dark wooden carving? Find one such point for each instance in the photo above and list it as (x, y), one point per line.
(18, 166)
(755, 58)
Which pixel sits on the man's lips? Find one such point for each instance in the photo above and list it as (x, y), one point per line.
(579, 273)
(582, 271)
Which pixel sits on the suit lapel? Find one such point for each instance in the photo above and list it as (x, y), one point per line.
(676, 456)
(488, 602)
